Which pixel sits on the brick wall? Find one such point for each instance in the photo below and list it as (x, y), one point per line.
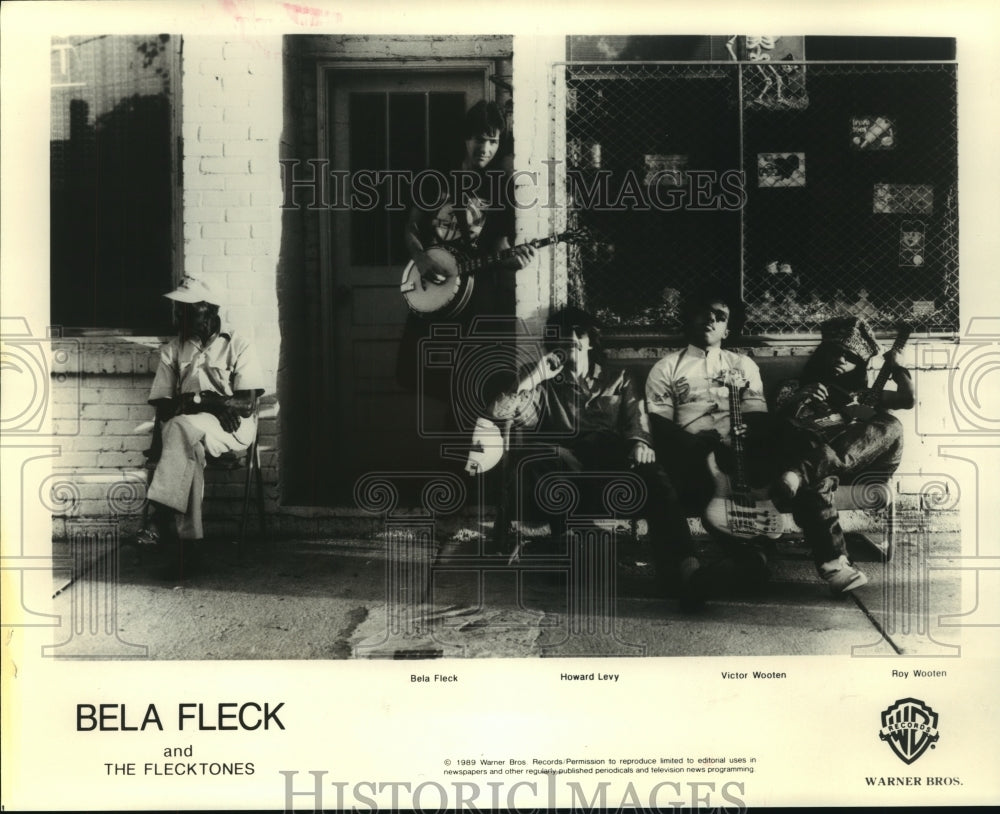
(101, 422)
(231, 105)
(232, 102)
(232, 124)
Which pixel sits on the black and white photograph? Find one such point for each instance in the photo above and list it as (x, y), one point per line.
(401, 414)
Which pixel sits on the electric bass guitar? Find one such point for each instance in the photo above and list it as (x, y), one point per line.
(736, 509)
(828, 422)
(450, 296)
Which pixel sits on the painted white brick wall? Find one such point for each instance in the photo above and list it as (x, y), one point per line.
(231, 105)
(535, 128)
(232, 98)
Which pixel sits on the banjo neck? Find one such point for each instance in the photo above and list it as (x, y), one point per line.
(471, 265)
(449, 296)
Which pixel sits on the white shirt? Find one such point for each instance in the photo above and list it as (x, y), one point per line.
(688, 387)
(227, 364)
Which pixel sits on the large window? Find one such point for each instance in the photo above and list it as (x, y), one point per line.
(812, 187)
(114, 181)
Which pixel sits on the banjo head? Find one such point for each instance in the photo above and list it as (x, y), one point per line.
(445, 298)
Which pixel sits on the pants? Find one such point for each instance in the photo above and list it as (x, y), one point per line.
(684, 457)
(874, 447)
(179, 480)
(602, 454)
(813, 510)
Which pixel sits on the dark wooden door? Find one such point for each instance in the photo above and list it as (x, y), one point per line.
(378, 120)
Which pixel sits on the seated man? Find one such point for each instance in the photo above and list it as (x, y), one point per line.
(205, 393)
(817, 449)
(598, 419)
(689, 413)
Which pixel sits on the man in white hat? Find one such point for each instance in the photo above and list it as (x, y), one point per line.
(205, 393)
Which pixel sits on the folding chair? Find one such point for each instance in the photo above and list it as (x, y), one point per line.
(228, 461)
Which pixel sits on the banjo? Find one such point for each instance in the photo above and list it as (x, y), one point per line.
(451, 295)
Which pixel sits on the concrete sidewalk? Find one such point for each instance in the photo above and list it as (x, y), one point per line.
(413, 597)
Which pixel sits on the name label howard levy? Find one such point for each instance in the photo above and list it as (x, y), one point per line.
(588, 676)
(224, 717)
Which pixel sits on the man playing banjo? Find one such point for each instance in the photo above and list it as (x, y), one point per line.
(469, 219)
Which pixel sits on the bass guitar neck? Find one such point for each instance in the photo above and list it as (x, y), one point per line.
(736, 509)
(829, 422)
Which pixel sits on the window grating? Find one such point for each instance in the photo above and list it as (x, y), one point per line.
(814, 189)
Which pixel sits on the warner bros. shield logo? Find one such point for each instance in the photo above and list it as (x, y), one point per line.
(910, 727)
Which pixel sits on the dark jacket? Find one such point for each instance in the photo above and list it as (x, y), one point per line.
(603, 402)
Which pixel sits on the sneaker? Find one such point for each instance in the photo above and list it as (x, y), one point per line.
(841, 576)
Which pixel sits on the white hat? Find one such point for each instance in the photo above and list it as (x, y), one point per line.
(193, 289)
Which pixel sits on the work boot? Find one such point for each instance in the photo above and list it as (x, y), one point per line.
(702, 581)
(752, 571)
(694, 585)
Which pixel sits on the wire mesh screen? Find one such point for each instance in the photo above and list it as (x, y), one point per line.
(635, 135)
(112, 170)
(814, 189)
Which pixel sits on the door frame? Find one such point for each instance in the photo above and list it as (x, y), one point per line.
(326, 70)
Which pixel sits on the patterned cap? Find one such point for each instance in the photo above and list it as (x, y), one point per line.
(193, 289)
(850, 334)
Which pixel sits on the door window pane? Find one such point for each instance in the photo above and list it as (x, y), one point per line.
(407, 132)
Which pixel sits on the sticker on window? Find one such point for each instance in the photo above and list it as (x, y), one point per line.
(665, 170)
(912, 251)
(903, 199)
(870, 133)
(781, 169)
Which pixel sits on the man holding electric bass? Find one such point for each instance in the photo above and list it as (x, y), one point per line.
(741, 468)
(707, 414)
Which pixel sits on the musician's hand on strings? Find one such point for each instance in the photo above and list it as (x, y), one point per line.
(902, 398)
(892, 362)
(430, 271)
(813, 392)
(519, 258)
(642, 453)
